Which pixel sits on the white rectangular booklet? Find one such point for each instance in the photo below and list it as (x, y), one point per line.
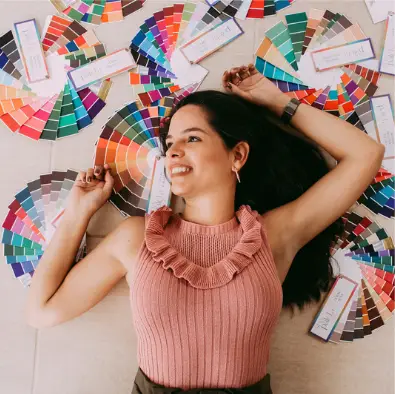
(207, 43)
(103, 68)
(336, 56)
(383, 116)
(334, 306)
(387, 60)
(32, 53)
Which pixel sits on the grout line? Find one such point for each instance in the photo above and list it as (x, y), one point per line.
(35, 357)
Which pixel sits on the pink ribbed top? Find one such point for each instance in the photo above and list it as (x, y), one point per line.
(205, 300)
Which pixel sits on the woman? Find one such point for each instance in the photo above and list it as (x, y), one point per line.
(206, 286)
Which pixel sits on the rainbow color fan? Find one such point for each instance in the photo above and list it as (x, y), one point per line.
(364, 256)
(158, 46)
(97, 11)
(32, 219)
(129, 144)
(51, 108)
(162, 68)
(309, 59)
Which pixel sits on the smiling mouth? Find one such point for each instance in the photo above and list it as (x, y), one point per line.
(180, 171)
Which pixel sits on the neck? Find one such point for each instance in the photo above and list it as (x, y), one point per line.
(210, 210)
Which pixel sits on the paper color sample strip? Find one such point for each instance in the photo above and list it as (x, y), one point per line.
(333, 308)
(31, 50)
(209, 42)
(384, 119)
(353, 52)
(102, 68)
(161, 189)
(387, 60)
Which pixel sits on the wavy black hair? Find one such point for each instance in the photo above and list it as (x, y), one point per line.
(280, 168)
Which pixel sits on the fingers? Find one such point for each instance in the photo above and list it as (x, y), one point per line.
(99, 173)
(252, 69)
(89, 175)
(81, 176)
(235, 77)
(109, 181)
(244, 72)
(225, 79)
(231, 88)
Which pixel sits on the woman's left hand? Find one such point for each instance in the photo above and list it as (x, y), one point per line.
(248, 83)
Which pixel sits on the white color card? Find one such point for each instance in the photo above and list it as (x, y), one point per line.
(387, 60)
(352, 52)
(186, 72)
(379, 9)
(103, 68)
(32, 53)
(212, 40)
(334, 307)
(160, 189)
(383, 116)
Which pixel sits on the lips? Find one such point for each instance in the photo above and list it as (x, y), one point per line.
(179, 170)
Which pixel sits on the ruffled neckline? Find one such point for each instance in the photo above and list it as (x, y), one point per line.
(197, 276)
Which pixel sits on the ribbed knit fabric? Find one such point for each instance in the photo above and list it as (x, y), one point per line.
(205, 300)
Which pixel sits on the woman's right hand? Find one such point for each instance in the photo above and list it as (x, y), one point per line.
(90, 191)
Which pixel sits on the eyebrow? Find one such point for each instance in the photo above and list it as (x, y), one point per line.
(188, 131)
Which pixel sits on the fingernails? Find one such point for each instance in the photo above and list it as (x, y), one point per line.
(229, 86)
(88, 179)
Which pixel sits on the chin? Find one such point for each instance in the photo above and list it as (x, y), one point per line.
(181, 189)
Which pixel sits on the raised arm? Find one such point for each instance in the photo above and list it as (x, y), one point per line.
(359, 158)
(58, 293)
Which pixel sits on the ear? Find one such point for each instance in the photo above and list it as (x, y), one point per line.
(240, 154)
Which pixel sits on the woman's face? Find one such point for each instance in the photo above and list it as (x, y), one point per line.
(197, 160)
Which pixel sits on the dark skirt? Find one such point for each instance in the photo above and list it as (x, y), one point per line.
(142, 385)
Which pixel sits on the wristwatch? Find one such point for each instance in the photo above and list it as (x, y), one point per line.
(290, 110)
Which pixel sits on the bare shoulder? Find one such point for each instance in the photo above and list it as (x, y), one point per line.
(126, 240)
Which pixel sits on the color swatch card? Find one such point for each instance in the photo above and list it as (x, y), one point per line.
(387, 60)
(335, 305)
(379, 9)
(157, 48)
(353, 52)
(103, 68)
(209, 42)
(31, 50)
(161, 188)
(383, 115)
(129, 144)
(49, 107)
(28, 228)
(251, 9)
(97, 11)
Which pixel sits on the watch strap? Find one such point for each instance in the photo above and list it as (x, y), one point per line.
(289, 110)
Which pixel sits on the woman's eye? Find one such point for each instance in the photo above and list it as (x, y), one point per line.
(169, 145)
(193, 139)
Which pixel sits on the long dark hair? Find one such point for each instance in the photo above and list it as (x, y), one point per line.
(279, 169)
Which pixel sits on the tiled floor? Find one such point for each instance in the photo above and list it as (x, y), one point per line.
(97, 352)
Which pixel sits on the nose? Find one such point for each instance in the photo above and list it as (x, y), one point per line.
(175, 151)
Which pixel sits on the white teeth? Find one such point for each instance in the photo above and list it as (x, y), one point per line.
(177, 170)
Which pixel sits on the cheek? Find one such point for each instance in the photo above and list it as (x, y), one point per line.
(209, 161)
